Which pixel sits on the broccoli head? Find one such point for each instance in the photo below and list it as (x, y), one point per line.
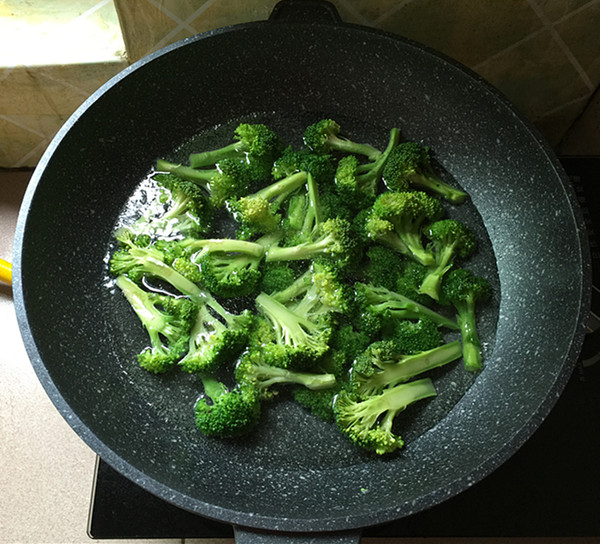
(324, 137)
(167, 320)
(368, 422)
(409, 166)
(449, 240)
(217, 337)
(357, 182)
(465, 290)
(409, 212)
(226, 413)
(255, 143)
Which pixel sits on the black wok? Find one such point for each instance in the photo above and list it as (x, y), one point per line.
(298, 475)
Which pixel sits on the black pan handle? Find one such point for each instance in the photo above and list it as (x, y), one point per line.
(309, 11)
(244, 535)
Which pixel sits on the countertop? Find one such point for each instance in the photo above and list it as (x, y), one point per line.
(46, 470)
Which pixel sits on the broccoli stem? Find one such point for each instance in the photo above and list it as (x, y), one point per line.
(432, 282)
(471, 345)
(313, 215)
(307, 250)
(207, 158)
(163, 271)
(348, 146)
(213, 388)
(273, 375)
(398, 398)
(280, 190)
(429, 180)
(229, 245)
(411, 365)
(400, 306)
(200, 177)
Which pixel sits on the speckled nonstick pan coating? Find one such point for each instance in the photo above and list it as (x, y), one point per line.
(298, 474)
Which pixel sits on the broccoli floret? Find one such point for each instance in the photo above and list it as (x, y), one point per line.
(297, 340)
(217, 337)
(229, 179)
(333, 238)
(465, 290)
(449, 240)
(358, 183)
(167, 320)
(382, 365)
(409, 165)
(349, 342)
(226, 413)
(368, 423)
(259, 212)
(189, 212)
(409, 280)
(252, 370)
(137, 261)
(390, 305)
(292, 161)
(319, 290)
(256, 144)
(414, 336)
(229, 275)
(324, 137)
(409, 212)
(277, 276)
(383, 267)
(320, 402)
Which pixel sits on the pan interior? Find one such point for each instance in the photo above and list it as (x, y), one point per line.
(297, 473)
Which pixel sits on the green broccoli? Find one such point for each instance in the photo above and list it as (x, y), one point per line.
(293, 340)
(409, 165)
(229, 275)
(385, 304)
(409, 212)
(324, 137)
(465, 290)
(254, 371)
(358, 183)
(368, 422)
(189, 212)
(255, 143)
(139, 260)
(449, 240)
(217, 337)
(414, 336)
(226, 413)
(320, 401)
(229, 179)
(333, 239)
(167, 320)
(382, 366)
(259, 212)
(277, 276)
(382, 267)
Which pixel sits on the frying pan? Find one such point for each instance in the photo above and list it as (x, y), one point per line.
(297, 475)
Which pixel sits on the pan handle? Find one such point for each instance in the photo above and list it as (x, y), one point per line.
(310, 11)
(244, 535)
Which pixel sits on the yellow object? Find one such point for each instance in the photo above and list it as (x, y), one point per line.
(5, 272)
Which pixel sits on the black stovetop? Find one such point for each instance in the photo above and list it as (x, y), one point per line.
(549, 488)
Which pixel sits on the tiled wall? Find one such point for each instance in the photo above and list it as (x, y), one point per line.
(544, 55)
